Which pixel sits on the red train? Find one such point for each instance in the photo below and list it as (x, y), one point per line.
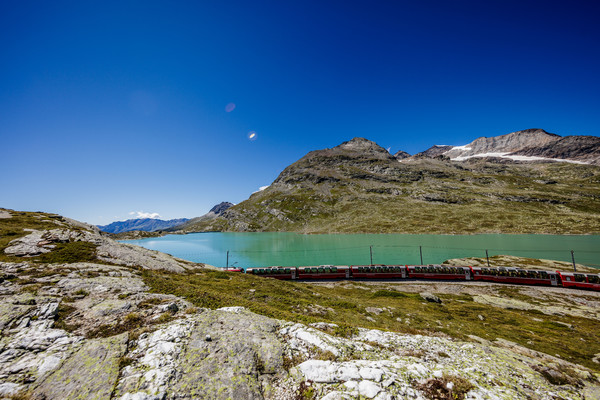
(433, 272)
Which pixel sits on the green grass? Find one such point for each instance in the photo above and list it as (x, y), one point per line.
(458, 316)
(71, 252)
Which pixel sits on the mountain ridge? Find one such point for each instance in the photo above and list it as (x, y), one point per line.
(358, 186)
(141, 224)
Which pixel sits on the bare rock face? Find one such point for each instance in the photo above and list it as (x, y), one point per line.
(580, 148)
(242, 353)
(86, 373)
(509, 143)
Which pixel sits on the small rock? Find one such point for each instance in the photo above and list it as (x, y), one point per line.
(368, 389)
(171, 307)
(481, 317)
(208, 338)
(235, 310)
(450, 385)
(563, 324)
(374, 310)
(430, 297)
(9, 389)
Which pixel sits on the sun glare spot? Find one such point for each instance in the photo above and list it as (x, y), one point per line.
(230, 107)
(252, 135)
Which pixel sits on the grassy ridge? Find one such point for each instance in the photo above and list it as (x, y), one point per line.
(346, 304)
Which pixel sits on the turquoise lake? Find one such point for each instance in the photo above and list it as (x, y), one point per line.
(291, 249)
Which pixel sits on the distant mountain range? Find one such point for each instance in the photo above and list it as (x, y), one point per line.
(154, 225)
(141, 224)
(528, 181)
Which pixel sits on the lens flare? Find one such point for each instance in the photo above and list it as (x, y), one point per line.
(252, 135)
(230, 107)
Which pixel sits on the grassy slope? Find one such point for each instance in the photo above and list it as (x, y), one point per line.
(423, 196)
(345, 304)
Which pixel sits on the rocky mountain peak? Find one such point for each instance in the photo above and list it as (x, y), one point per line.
(220, 208)
(401, 155)
(359, 144)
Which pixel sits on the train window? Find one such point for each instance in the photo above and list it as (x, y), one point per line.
(288, 270)
(579, 278)
(333, 269)
(593, 279)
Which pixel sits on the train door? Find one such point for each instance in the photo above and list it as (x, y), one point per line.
(348, 273)
(467, 274)
(403, 272)
(294, 273)
(553, 280)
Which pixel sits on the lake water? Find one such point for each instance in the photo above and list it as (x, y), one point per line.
(291, 249)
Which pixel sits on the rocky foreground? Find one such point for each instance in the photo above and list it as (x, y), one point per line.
(118, 341)
(95, 330)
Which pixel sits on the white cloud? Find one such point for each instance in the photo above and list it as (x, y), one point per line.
(142, 214)
(260, 189)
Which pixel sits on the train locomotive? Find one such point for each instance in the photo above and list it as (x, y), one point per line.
(432, 272)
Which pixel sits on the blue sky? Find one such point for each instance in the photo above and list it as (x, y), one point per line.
(110, 108)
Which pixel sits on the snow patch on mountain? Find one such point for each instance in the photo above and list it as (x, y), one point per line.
(515, 157)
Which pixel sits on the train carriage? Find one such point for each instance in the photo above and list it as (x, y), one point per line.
(516, 275)
(579, 280)
(274, 272)
(324, 272)
(378, 271)
(439, 272)
(432, 272)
